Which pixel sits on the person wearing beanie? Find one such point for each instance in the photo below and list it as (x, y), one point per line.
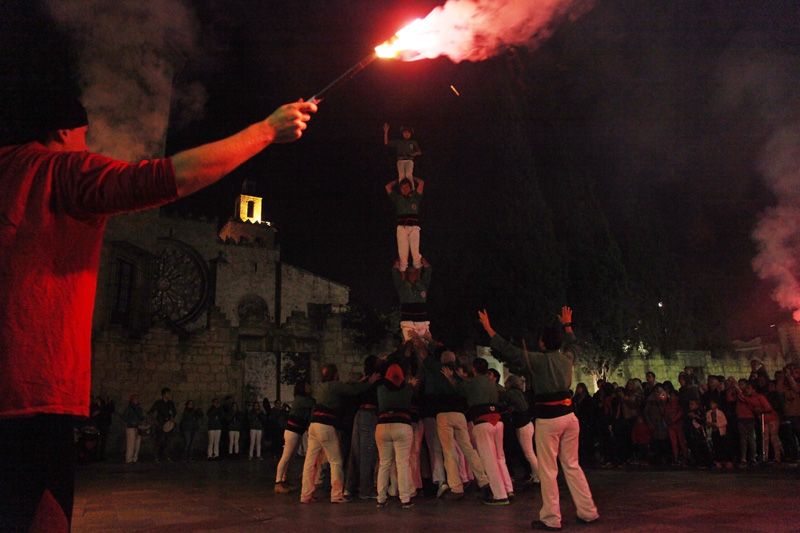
(322, 437)
(394, 434)
(557, 427)
(57, 197)
(521, 418)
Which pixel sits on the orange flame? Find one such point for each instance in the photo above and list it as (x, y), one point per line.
(796, 315)
(409, 43)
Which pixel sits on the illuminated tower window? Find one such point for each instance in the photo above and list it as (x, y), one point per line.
(250, 209)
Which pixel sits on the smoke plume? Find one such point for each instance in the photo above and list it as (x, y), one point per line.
(763, 83)
(130, 53)
(474, 30)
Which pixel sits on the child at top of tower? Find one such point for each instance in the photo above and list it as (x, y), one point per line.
(406, 150)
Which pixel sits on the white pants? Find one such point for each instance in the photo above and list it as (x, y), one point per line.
(489, 441)
(322, 438)
(557, 438)
(525, 438)
(213, 442)
(415, 329)
(394, 445)
(133, 441)
(434, 450)
(255, 442)
(405, 170)
(408, 241)
(233, 442)
(291, 441)
(453, 434)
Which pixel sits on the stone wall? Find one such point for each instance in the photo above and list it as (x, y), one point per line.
(301, 287)
(201, 367)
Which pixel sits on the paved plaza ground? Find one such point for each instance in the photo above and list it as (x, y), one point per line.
(236, 496)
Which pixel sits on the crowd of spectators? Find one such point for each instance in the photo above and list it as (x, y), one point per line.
(718, 422)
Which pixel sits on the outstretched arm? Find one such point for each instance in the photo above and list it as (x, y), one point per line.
(390, 186)
(483, 316)
(420, 185)
(199, 167)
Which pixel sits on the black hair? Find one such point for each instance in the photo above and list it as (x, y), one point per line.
(370, 363)
(495, 373)
(552, 338)
(165, 390)
(300, 388)
(480, 365)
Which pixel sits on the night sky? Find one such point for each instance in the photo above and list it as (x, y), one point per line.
(634, 93)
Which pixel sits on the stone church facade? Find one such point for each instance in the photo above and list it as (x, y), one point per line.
(210, 313)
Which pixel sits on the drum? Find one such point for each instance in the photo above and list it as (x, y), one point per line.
(144, 429)
(168, 426)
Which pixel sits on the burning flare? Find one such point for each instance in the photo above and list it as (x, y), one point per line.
(474, 30)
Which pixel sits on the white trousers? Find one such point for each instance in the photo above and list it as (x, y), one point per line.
(133, 441)
(408, 242)
(434, 450)
(453, 433)
(291, 441)
(255, 442)
(213, 442)
(322, 438)
(489, 441)
(233, 442)
(411, 329)
(525, 438)
(557, 439)
(394, 443)
(405, 170)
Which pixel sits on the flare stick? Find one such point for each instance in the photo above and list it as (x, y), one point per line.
(348, 74)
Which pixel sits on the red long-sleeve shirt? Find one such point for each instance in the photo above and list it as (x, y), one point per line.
(53, 210)
(749, 406)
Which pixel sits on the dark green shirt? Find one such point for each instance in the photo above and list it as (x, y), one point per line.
(405, 148)
(133, 416)
(215, 415)
(411, 293)
(390, 399)
(478, 391)
(515, 399)
(549, 372)
(406, 205)
(302, 407)
(331, 394)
